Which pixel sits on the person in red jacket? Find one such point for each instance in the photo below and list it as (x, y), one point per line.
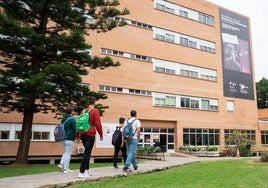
(88, 138)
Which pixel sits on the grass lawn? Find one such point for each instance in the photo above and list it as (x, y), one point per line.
(210, 174)
(9, 170)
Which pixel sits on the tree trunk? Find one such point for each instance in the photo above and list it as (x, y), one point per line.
(26, 134)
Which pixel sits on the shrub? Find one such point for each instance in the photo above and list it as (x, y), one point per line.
(157, 150)
(183, 148)
(243, 151)
(212, 148)
(140, 149)
(264, 157)
(195, 148)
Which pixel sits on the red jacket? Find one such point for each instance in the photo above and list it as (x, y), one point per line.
(95, 123)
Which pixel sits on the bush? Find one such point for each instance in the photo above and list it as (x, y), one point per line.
(183, 148)
(157, 150)
(212, 148)
(244, 151)
(264, 157)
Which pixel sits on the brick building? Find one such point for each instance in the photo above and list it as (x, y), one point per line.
(186, 68)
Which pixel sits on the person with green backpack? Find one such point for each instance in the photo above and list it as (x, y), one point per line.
(88, 137)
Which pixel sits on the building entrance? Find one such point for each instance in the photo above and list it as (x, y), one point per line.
(165, 136)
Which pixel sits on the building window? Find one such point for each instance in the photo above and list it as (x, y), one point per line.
(159, 37)
(183, 41)
(185, 102)
(264, 137)
(250, 134)
(17, 135)
(40, 136)
(206, 19)
(201, 137)
(194, 103)
(159, 101)
(192, 44)
(160, 7)
(170, 10)
(170, 101)
(164, 70)
(183, 14)
(4, 135)
(230, 106)
(170, 38)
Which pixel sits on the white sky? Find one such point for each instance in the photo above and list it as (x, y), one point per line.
(257, 11)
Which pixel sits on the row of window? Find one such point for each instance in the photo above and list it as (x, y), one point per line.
(160, 99)
(125, 90)
(186, 102)
(185, 72)
(205, 137)
(184, 12)
(184, 40)
(125, 54)
(5, 135)
(167, 100)
(163, 66)
(173, 37)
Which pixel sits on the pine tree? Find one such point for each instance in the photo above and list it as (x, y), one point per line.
(43, 55)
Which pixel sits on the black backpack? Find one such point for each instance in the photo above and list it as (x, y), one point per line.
(117, 137)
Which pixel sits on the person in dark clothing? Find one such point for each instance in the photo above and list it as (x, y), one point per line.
(88, 137)
(68, 143)
(122, 147)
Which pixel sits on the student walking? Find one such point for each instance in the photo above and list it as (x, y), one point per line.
(88, 137)
(119, 143)
(133, 142)
(68, 143)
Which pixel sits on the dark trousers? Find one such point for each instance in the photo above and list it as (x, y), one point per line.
(116, 152)
(88, 142)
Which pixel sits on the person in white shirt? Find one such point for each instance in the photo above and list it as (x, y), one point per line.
(132, 143)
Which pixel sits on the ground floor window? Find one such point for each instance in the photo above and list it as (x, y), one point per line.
(251, 134)
(166, 137)
(4, 135)
(264, 137)
(201, 137)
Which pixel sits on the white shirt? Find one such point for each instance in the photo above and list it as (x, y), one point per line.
(136, 124)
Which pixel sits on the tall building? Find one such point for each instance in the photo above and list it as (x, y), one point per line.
(186, 68)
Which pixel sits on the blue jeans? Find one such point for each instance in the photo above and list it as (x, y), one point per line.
(67, 146)
(131, 149)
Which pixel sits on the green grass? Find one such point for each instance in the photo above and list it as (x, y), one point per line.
(211, 174)
(9, 170)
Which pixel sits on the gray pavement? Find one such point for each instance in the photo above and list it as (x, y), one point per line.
(59, 179)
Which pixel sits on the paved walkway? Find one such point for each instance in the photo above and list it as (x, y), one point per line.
(58, 179)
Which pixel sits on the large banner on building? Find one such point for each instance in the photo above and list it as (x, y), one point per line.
(236, 56)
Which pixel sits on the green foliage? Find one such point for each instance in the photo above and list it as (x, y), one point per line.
(44, 54)
(212, 148)
(238, 138)
(243, 151)
(148, 149)
(262, 93)
(264, 157)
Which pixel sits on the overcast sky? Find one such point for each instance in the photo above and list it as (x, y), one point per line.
(257, 11)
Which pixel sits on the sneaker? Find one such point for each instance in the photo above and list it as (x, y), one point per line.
(126, 169)
(61, 168)
(81, 175)
(88, 173)
(67, 171)
(136, 168)
(115, 168)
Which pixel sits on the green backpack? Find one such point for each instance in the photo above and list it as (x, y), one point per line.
(82, 122)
